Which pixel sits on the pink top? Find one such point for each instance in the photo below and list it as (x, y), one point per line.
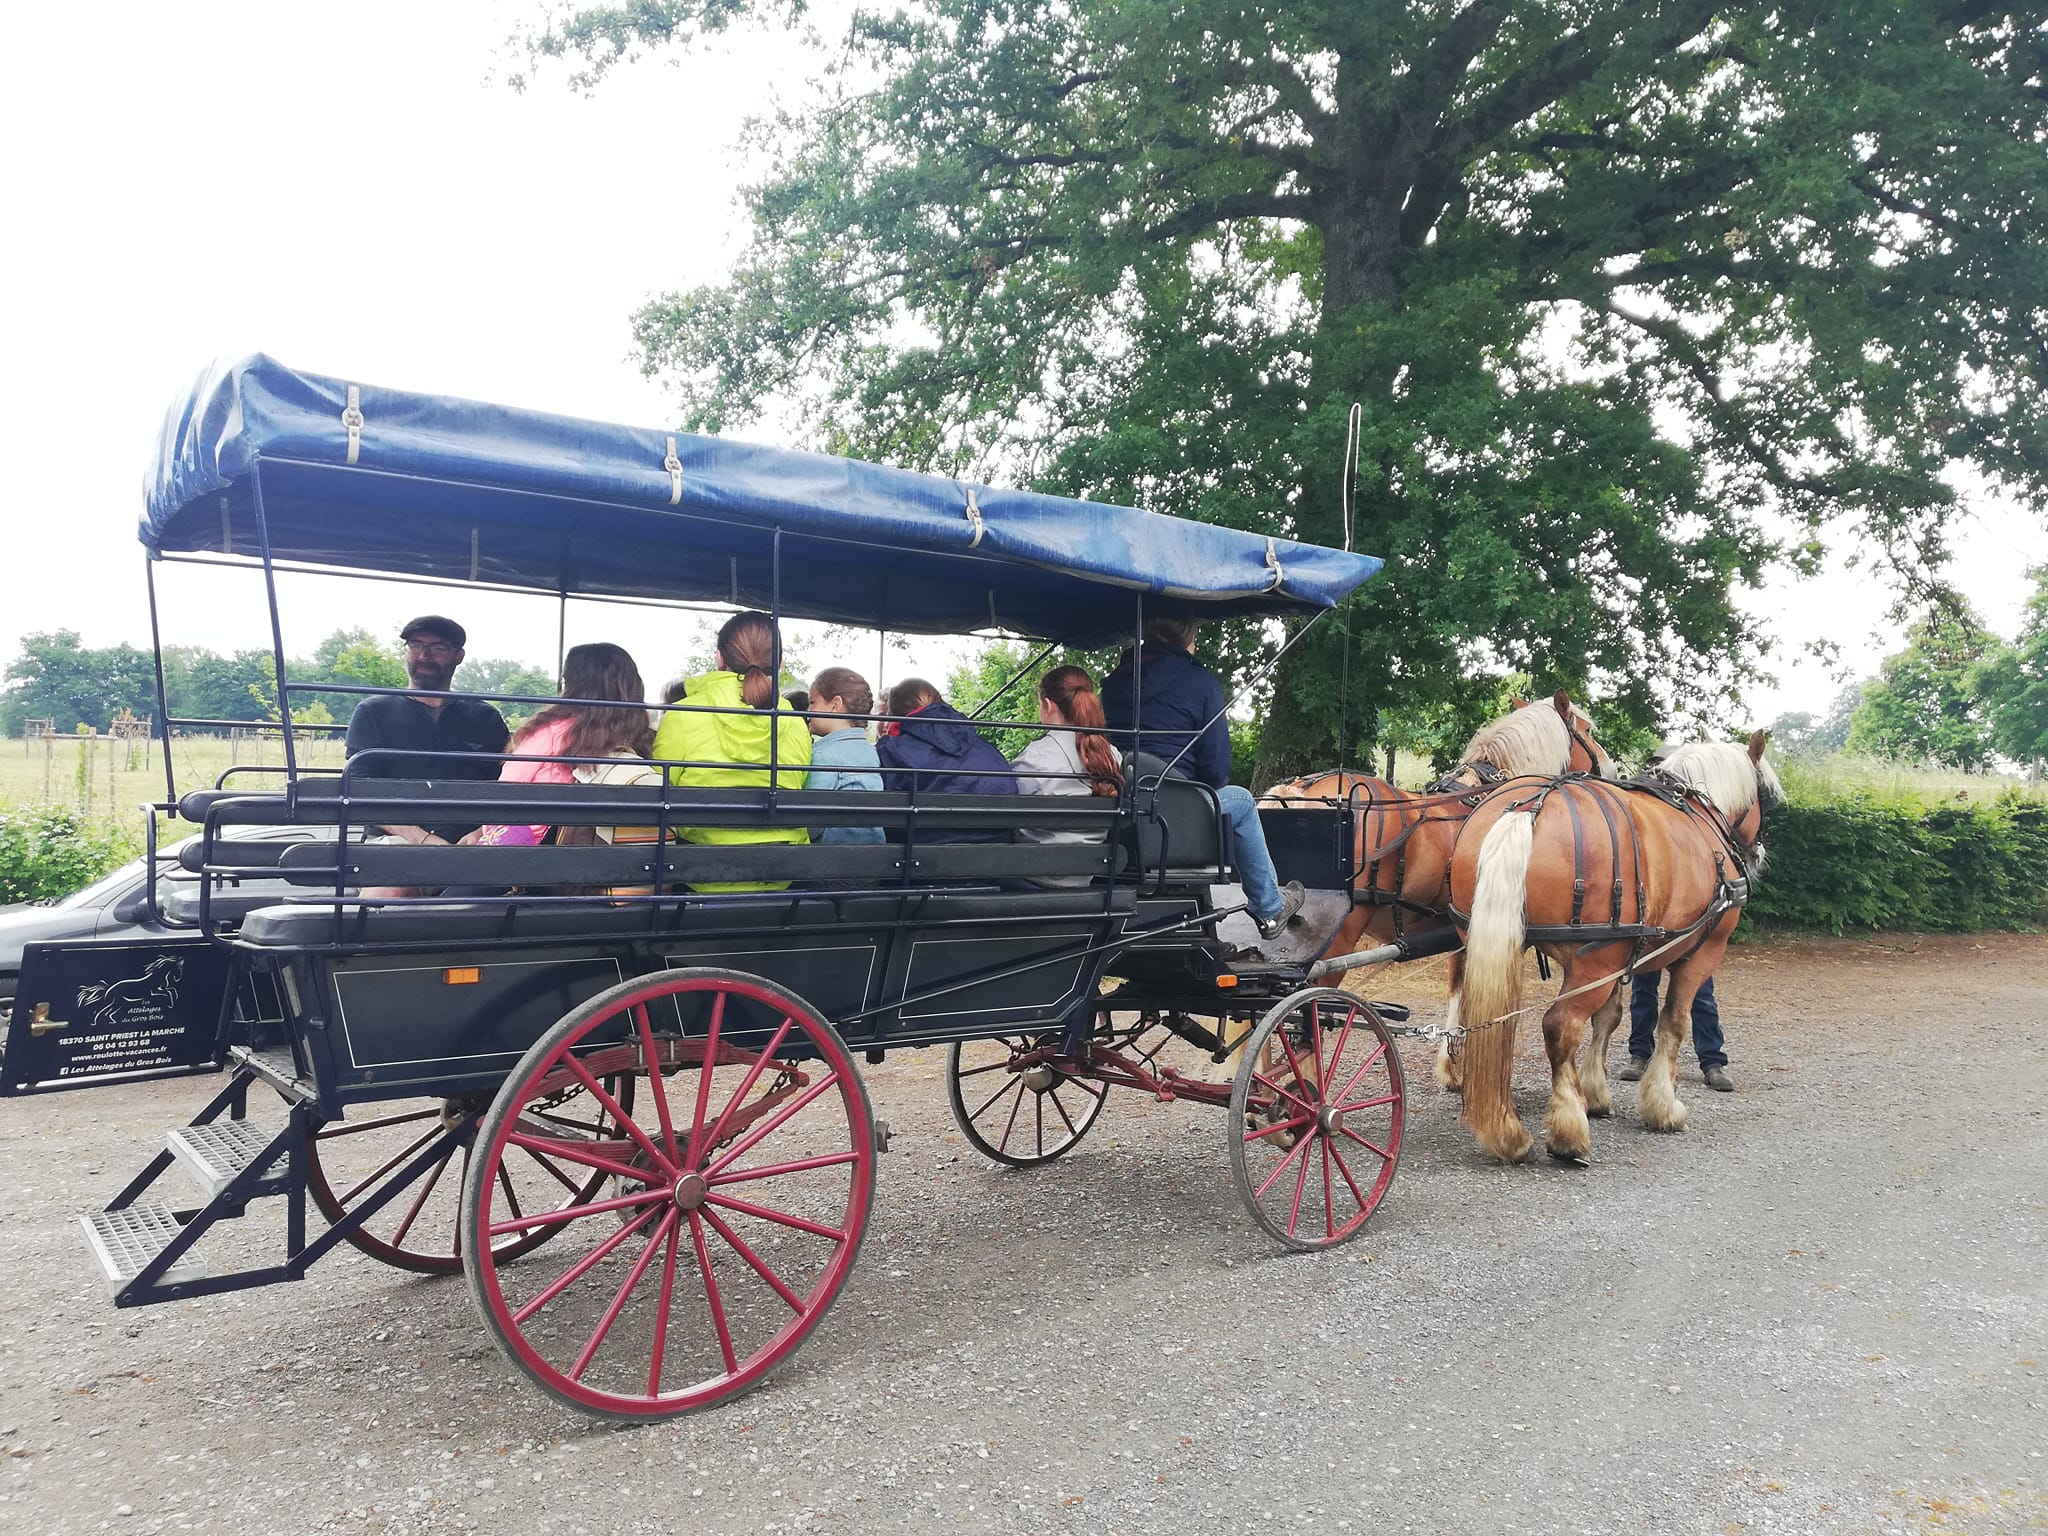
(536, 764)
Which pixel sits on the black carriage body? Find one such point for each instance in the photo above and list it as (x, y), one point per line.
(447, 1011)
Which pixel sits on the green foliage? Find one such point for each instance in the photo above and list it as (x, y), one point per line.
(2013, 683)
(201, 685)
(1923, 702)
(1859, 862)
(55, 677)
(1622, 282)
(973, 683)
(48, 851)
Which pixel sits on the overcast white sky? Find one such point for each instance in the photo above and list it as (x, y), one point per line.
(354, 190)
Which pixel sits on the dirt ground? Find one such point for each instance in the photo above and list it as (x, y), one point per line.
(1821, 1308)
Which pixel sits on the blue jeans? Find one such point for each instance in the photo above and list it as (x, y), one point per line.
(1706, 1022)
(1254, 864)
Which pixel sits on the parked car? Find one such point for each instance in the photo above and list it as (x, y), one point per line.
(115, 906)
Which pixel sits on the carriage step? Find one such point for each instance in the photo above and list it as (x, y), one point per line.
(215, 1152)
(124, 1241)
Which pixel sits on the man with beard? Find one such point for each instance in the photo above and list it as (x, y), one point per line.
(428, 722)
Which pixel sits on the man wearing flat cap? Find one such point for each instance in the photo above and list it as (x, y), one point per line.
(429, 721)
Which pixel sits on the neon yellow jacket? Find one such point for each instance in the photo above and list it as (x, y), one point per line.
(730, 740)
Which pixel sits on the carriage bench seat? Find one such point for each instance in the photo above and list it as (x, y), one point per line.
(322, 925)
(630, 865)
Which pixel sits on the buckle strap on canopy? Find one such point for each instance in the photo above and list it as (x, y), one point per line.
(352, 418)
(674, 465)
(974, 517)
(1273, 564)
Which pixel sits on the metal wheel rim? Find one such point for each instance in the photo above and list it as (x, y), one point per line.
(443, 1257)
(1305, 1159)
(673, 1227)
(985, 1098)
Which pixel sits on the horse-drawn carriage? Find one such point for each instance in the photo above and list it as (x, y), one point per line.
(623, 1095)
(617, 1083)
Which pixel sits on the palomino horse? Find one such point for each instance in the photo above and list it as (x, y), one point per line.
(1603, 879)
(1404, 837)
(1403, 856)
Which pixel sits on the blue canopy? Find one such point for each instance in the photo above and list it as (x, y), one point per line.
(367, 478)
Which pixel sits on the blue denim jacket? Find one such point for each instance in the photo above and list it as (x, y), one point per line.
(844, 760)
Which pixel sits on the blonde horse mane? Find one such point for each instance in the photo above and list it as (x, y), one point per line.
(1531, 740)
(1724, 773)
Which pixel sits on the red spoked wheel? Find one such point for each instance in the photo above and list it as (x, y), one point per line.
(348, 1162)
(735, 1195)
(1316, 1118)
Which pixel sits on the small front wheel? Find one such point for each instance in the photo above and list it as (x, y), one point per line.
(1316, 1118)
(1016, 1102)
(734, 1194)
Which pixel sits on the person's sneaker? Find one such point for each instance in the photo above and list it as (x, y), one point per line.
(1717, 1078)
(1291, 898)
(1633, 1072)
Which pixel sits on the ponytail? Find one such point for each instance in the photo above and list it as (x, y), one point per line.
(749, 646)
(1071, 691)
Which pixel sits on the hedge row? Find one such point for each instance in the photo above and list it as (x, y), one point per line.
(49, 851)
(1861, 863)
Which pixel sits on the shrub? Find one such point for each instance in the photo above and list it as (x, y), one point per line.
(50, 851)
(1860, 862)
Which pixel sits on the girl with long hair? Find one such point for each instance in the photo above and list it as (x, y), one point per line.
(722, 736)
(1077, 760)
(599, 729)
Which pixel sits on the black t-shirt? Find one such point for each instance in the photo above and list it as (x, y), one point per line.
(397, 721)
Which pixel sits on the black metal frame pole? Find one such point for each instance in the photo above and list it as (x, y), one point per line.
(1013, 679)
(774, 665)
(284, 703)
(163, 700)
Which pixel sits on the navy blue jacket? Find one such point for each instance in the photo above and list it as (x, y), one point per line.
(956, 761)
(1182, 702)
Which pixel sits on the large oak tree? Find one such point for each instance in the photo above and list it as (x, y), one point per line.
(1636, 298)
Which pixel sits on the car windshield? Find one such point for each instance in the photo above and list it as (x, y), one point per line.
(105, 889)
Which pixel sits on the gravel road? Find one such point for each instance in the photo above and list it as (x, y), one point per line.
(1822, 1308)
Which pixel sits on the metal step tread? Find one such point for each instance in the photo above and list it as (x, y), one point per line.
(215, 1152)
(124, 1241)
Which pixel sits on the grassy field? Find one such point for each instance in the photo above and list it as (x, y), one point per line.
(1839, 776)
(48, 773)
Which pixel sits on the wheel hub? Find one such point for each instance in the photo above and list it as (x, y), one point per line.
(690, 1191)
(1329, 1120)
(1039, 1078)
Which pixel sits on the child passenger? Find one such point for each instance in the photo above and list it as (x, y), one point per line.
(842, 757)
(721, 738)
(1068, 762)
(937, 751)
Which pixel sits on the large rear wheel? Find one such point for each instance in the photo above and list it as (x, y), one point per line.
(735, 1194)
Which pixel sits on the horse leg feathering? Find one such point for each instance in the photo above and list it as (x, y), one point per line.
(1492, 994)
(1657, 1100)
(1593, 1080)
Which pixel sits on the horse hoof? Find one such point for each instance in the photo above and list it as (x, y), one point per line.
(1599, 1111)
(1572, 1159)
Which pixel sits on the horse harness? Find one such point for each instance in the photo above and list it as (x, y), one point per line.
(1465, 785)
(1730, 890)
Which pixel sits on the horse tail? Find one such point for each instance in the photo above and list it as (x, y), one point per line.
(92, 993)
(1492, 995)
